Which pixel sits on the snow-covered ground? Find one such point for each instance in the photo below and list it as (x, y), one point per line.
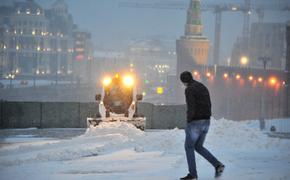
(120, 151)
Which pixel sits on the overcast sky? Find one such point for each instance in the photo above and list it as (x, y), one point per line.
(113, 27)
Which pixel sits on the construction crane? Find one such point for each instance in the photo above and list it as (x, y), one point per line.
(247, 8)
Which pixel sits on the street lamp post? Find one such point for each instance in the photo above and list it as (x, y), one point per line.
(227, 95)
(36, 73)
(2, 63)
(264, 60)
(11, 77)
(3, 51)
(262, 105)
(37, 69)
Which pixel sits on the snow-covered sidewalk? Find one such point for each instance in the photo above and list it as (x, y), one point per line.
(120, 151)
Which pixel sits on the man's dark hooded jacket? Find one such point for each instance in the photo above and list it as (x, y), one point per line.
(198, 101)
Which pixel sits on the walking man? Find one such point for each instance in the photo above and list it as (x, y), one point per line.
(198, 121)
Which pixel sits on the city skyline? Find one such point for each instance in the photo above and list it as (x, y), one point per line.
(113, 27)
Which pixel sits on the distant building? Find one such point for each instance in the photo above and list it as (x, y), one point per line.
(83, 54)
(23, 29)
(153, 58)
(267, 40)
(60, 28)
(287, 72)
(192, 48)
(36, 41)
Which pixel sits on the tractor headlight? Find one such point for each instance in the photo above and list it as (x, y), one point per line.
(128, 81)
(107, 81)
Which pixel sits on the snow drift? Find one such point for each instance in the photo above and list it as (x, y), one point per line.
(114, 148)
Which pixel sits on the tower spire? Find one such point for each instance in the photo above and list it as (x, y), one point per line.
(193, 25)
(192, 48)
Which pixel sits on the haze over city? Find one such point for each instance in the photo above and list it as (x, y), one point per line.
(113, 27)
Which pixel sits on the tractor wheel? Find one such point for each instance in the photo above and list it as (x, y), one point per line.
(127, 114)
(107, 114)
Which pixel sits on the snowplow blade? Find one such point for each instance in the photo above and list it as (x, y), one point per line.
(138, 122)
(93, 122)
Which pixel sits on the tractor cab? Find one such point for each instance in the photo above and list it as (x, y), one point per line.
(118, 101)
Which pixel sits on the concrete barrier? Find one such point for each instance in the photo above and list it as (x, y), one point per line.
(74, 114)
(60, 114)
(146, 109)
(169, 117)
(20, 114)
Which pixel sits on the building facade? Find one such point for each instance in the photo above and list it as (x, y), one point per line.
(36, 41)
(266, 48)
(268, 40)
(83, 55)
(287, 72)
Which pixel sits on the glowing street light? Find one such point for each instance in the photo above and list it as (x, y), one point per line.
(260, 79)
(251, 78)
(244, 60)
(226, 75)
(273, 81)
(208, 74)
(238, 76)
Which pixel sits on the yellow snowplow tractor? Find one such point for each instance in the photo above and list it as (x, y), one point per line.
(118, 102)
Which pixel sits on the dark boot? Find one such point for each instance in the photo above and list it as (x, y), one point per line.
(219, 170)
(189, 177)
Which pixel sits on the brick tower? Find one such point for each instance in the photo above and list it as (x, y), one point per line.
(192, 48)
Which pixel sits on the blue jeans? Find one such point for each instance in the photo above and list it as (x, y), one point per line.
(195, 136)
